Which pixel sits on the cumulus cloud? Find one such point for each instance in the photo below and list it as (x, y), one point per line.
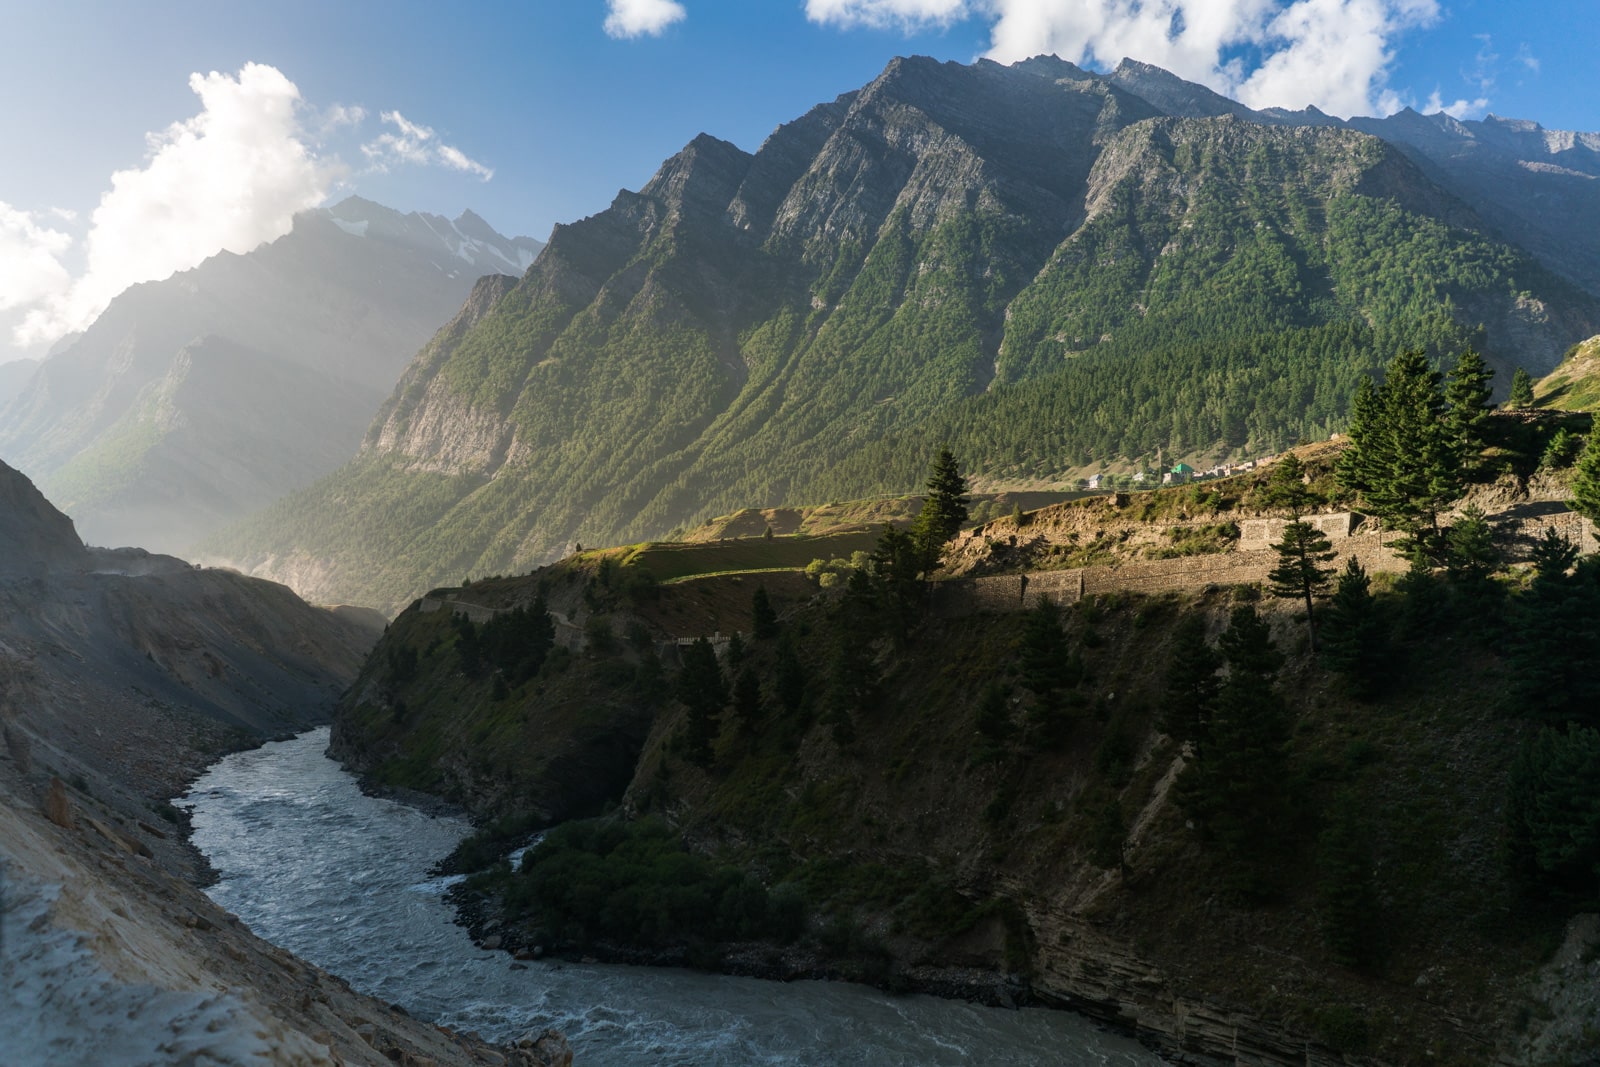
(412, 142)
(636, 18)
(1334, 54)
(231, 177)
(30, 259)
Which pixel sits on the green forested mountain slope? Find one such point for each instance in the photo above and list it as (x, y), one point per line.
(1028, 263)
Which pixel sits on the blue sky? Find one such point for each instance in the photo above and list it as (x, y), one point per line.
(537, 112)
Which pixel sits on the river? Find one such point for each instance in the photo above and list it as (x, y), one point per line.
(341, 879)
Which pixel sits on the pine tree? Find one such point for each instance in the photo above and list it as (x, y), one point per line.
(763, 620)
(789, 680)
(1554, 811)
(898, 564)
(1237, 787)
(747, 696)
(943, 510)
(1586, 479)
(1354, 642)
(1302, 572)
(1553, 641)
(1553, 556)
(1286, 488)
(1247, 646)
(1521, 391)
(1048, 667)
(1192, 680)
(1363, 461)
(1472, 556)
(1466, 395)
(993, 717)
(703, 691)
(1402, 457)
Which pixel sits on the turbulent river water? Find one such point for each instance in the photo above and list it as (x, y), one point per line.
(341, 879)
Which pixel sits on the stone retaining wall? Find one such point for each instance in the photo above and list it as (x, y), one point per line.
(1017, 592)
(1259, 534)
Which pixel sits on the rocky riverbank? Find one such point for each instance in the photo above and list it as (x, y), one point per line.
(122, 675)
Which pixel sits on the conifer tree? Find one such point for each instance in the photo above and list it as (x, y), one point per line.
(1286, 487)
(1586, 479)
(1237, 787)
(789, 681)
(1192, 680)
(703, 691)
(1363, 461)
(763, 620)
(1553, 555)
(1354, 642)
(747, 696)
(1247, 646)
(1554, 811)
(1048, 666)
(1302, 572)
(1553, 642)
(943, 510)
(1466, 395)
(1521, 391)
(1402, 458)
(898, 563)
(1472, 556)
(993, 717)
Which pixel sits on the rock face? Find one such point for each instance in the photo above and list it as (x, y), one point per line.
(123, 673)
(137, 668)
(192, 401)
(948, 247)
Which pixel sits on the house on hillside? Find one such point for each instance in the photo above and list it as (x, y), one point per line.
(1096, 481)
(1178, 475)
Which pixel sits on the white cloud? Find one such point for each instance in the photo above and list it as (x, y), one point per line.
(1334, 54)
(418, 144)
(30, 259)
(1526, 57)
(1459, 109)
(880, 14)
(1331, 53)
(231, 177)
(339, 116)
(635, 18)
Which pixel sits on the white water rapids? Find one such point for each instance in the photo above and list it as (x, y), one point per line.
(340, 879)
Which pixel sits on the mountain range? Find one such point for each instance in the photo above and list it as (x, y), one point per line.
(1044, 268)
(195, 400)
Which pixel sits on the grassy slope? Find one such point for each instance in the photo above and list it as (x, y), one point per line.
(1575, 384)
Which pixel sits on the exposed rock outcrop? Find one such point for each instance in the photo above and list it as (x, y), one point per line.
(121, 674)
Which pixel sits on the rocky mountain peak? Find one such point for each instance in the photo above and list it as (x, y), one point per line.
(33, 533)
(704, 176)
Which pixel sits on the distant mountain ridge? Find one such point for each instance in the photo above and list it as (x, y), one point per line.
(193, 401)
(1538, 188)
(1038, 265)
